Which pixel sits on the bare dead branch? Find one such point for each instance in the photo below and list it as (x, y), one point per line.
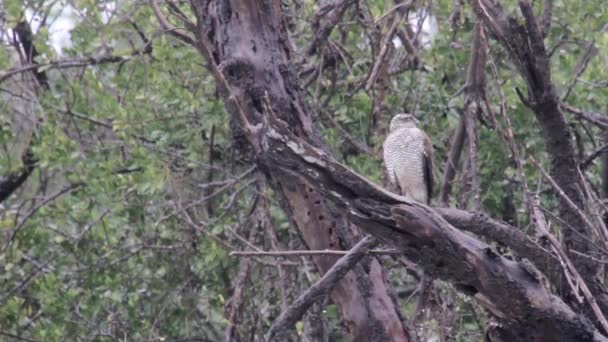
(545, 22)
(322, 287)
(169, 28)
(601, 234)
(582, 64)
(568, 264)
(326, 17)
(449, 168)
(233, 305)
(584, 164)
(278, 254)
(474, 95)
(387, 43)
(599, 119)
(35, 209)
(269, 229)
(70, 63)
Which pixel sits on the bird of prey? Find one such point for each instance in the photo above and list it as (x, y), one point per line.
(408, 157)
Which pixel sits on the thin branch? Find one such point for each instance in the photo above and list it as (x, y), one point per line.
(602, 234)
(69, 63)
(278, 254)
(234, 304)
(33, 211)
(568, 265)
(388, 41)
(172, 30)
(545, 21)
(265, 219)
(449, 173)
(322, 287)
(583, 165)
(360, 146)
(325, 18)
(598, 119)
(474, 94)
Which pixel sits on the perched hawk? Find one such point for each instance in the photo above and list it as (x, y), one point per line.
(408, 157)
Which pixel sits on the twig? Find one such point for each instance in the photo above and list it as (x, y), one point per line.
(545, 21)
(590, 52)
(596, 118)
(602, 235)
(31, 213)
(225, 245)
(69, 63)
(172, 30)
(233, 308)
(568, 265)
(278, 254)
(380, 59)
(16, 337)
(323, 286)
(456, 16)
(325, 19)
(209, 190)
(474, 94)
(360, 146)
(394, 8)
(266, 221)
(450, 164)
(583, 165)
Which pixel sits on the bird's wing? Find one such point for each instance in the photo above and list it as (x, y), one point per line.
(427, 167)
(388, 161)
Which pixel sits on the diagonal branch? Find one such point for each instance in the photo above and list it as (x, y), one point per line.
(326, 17)
(322, 287)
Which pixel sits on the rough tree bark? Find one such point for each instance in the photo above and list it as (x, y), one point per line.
(512, 292)
(247, 39)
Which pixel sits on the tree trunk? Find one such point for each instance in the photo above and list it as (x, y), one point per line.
(248, 41)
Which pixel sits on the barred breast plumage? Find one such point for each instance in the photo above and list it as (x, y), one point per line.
(404, 157)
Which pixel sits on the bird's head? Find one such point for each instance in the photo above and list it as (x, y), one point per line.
(403, 120)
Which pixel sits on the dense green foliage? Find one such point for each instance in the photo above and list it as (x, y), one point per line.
(124, 227)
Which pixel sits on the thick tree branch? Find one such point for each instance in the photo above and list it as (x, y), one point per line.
(249, 56)
(510, 291)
